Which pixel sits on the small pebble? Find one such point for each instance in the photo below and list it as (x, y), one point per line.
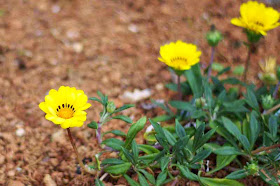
(20, 132)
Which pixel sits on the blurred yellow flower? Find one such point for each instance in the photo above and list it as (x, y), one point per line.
(65, 107)
(268, 74)
(257, 17)
(179, 56)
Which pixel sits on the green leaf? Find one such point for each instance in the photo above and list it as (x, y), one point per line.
(123, 118)
(201, 156)
(170, 138)
(254, 129)
(129, 156)
(187, 173)
(160, 134)
(239, 174)
(164, 163)
(162, 118)
(217, 67)
(205, 138)
(273, 126)
(182, 105)
(197, 136)
(226, 151)
(124, 107)
(135, 150)
(194, 78)
(95, 99)
(161, 178)
(222, 161)
(233, 129)
(238, 70)
(142, 179)
(118, 169)
(149, 176)
(133, 131)
(112, 161)
(93, 125)
(116, 132)
(251, 99)
(98, 182)
(219, 182)
(179, 129)
(113, 143)
(131, 181)
(148, 149)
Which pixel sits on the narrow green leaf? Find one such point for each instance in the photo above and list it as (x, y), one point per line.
(180, 129)
(148, 149)
(226, 151)
(95, 99)
(128, 156)
(273, 126)
(149, 176)
(123, 118)
(162, 118)
(222, 161)
(112, 161)
(251, 99)
(118, 169)
(164, 163)
(197, 136)
(170, 138)
(239, 174)
(268, 177)
(194, 78)
(201, 156)
(187, 173)
(124, 107)
(161, 178)
(116, 132)
(135, 150)
(254, 129)
(131, 181)
(219, 182)
(142, 179)
(113, 143)
(93, 125)
(182, 105)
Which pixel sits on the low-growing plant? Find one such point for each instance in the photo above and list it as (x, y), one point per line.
(215, 118)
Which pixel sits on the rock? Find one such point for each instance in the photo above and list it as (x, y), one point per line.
(11, 173)
(56, 9)
(15, 183)
(59, 137)
(49, 181)
(78, 47)
(20, 132)
(133, 28)
(159, 86)
(136, 96)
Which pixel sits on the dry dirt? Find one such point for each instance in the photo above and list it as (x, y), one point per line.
(111, 46)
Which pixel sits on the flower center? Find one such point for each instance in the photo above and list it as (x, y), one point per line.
(176, 59)
(65, 111)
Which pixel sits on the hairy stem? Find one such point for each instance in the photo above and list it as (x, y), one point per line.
(76, 152)
(276, 90)
(179, 87)
(98, 133)
(211, 63)
(265, 148)
(247, 62)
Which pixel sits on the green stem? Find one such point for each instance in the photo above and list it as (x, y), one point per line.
(247, 64)
(180, 96)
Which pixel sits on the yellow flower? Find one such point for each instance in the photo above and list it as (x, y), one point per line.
(179, 55)
(257, 17)
(268, 74)
(65, 107)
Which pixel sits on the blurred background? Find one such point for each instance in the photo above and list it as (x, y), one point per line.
(111, 46)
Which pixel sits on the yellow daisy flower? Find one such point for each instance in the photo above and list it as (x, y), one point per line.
(268, 74)
(257, 17)
(179, 56)
(65, 107)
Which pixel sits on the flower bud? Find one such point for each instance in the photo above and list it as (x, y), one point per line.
(267, 102)
(252, 168)
(214, 37)
(200, 102)
(111, 107)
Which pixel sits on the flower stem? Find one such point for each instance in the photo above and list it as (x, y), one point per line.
(265, 148)
(276, 90)
(76, 152)
(180, 96)
(211, 62)
(98, 133)
(247, 62)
